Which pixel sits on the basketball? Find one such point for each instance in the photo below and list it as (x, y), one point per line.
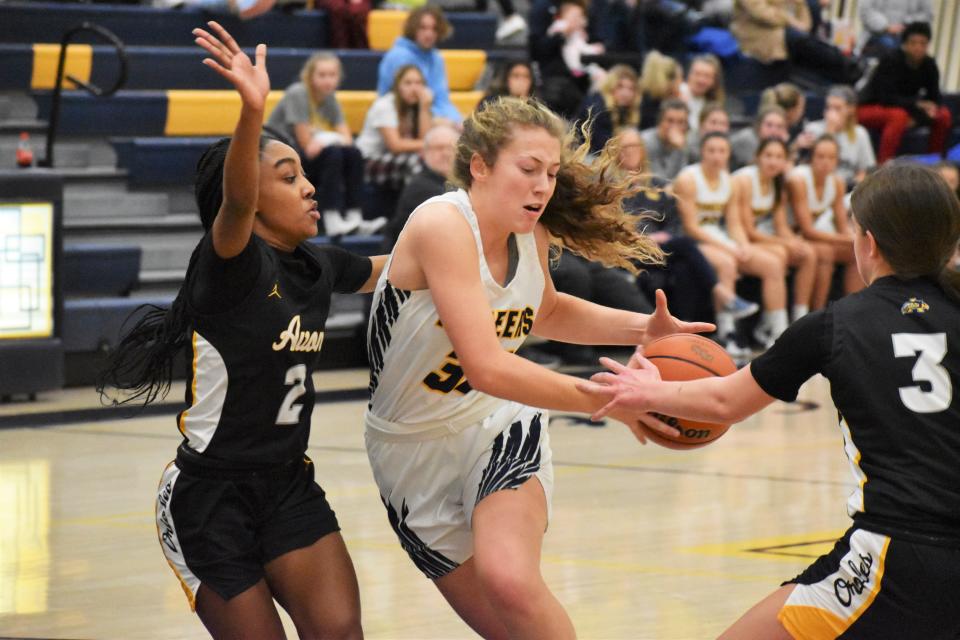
(686, 356)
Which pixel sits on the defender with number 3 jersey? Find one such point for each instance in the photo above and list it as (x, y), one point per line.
(892, 355)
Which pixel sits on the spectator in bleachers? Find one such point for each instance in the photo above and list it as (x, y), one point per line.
(820, 213)
(770, 122)
(310, 116)
(615, 106)
(904, 91)
(763, 212)
(708, 198)
(790, 98)
(557, 41)
(659, 81)
(439, 147)
(840, 121)
(884, 21)
(514, 79)
(776, 30)
(423, 29)
(687, 277)
(666, 144)
(704, 84)
(393, 129)
(346, 23)
(713, 117)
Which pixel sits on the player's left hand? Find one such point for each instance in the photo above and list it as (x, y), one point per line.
(661, 323)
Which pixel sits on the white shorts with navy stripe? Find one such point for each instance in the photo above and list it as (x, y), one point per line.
(430, 483)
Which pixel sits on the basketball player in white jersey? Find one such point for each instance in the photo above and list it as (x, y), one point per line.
(762, 207)
(459, 453)
(707, 199)
(820, 215)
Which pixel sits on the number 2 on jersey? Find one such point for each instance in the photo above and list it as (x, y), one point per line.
(930, 350)
(289, 410)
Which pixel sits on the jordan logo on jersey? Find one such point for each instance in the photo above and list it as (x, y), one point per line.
(914, 305)
(275, 292)
(297, 339)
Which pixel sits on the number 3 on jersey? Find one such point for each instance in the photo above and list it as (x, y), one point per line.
(289, 410)
(930, 349)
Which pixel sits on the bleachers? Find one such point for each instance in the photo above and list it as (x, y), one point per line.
(29, 22)
(185, 112)
(33, 66)
(93, 269)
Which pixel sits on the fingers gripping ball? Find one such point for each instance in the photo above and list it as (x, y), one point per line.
(685, 356)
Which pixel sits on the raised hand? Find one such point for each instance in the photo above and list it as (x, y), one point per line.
(250, 80)
(661, 323)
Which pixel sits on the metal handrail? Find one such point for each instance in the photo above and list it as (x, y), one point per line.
(118, 46)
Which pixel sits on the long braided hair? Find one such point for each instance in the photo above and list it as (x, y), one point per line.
(141, 365)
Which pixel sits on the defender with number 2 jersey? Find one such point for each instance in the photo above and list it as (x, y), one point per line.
(249, 390)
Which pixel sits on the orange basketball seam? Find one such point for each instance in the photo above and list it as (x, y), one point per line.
(678, 358)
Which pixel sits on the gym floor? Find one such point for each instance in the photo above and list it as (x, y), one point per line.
(645, 542)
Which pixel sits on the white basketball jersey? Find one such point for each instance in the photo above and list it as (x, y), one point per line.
(761, 205)
(710, 202)
(821, 208)
(416, 381)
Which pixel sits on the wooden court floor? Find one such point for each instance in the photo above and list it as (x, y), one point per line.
(645, 542)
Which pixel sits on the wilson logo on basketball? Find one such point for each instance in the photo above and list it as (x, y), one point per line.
(702, 353)
(297, 339)
(686, 432)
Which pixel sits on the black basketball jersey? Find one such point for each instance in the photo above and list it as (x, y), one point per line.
(892, 355)
(249, 388)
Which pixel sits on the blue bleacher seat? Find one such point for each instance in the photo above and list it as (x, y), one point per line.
(99, 269)
(129, 113)
(30, 22)
(160, 161)
(150, 67)
(92, 324)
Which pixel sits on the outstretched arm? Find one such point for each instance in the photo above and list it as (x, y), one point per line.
(639, 389)
(241, 173)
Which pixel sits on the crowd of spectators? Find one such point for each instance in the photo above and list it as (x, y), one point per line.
(760, 194)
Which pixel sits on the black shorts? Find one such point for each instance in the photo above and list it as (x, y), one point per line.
(873, 586)
(219, 528)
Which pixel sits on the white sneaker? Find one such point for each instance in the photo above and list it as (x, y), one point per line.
(335, 225)
(765, 336)
(733, 348)
(510, 27)
(370, 227)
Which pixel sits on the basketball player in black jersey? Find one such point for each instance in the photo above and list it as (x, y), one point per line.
(240, 518)
(892, 355)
